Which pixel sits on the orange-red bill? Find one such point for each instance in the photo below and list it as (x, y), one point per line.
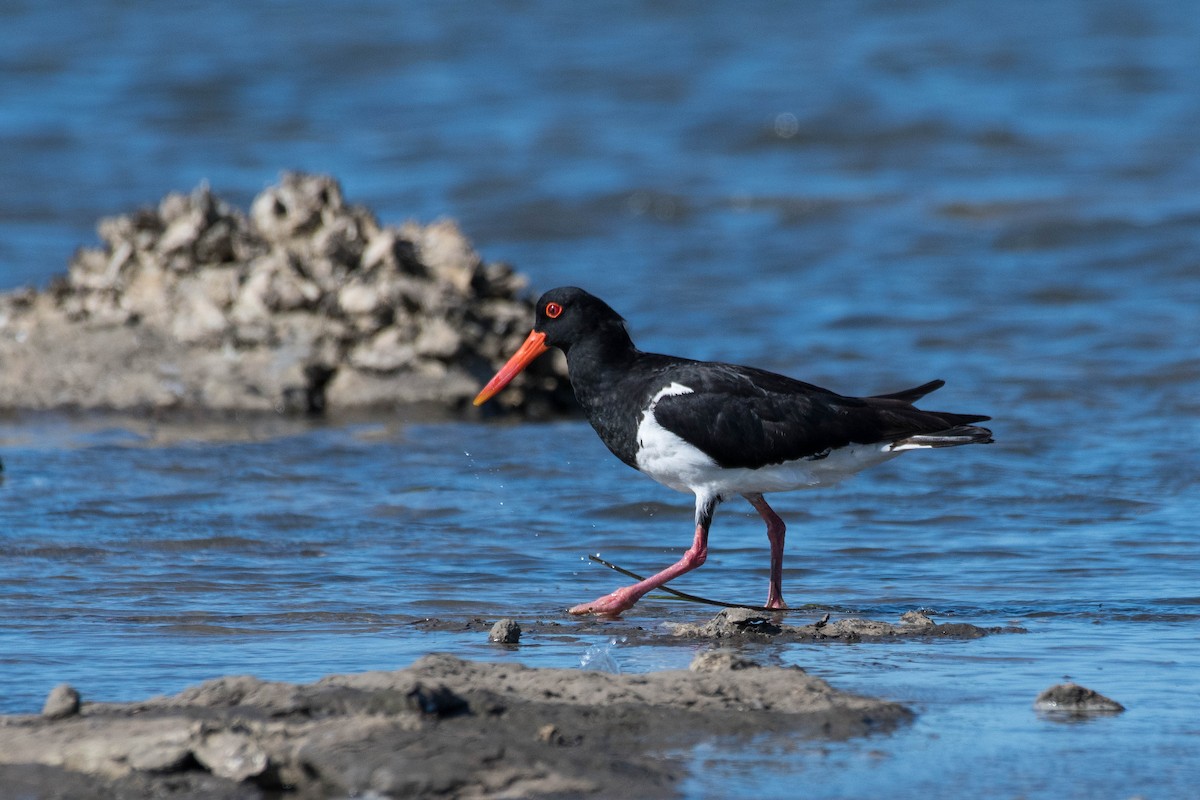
(533, 346)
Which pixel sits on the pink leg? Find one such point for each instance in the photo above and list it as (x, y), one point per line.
(775, 532)
(624, 598)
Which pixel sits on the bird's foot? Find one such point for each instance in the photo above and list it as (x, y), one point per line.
(776, 602)
(609, 605)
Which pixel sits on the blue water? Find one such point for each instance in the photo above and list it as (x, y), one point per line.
(864, 195)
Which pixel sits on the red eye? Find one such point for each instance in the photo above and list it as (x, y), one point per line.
(553, 310)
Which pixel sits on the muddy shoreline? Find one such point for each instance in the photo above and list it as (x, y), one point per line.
(447, 727)
(443, 727)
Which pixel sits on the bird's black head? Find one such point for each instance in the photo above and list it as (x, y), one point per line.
(564, 317)
(568, 314)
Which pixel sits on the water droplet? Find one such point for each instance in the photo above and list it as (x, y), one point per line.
(786, 125)
(599, 657)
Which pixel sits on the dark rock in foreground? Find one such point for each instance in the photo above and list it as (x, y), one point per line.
(306, 304)
(444, 727)
(63, 701)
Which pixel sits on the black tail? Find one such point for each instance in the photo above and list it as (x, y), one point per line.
(910, 428)
(914, 394)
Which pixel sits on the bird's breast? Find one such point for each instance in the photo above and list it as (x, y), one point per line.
(665, 456)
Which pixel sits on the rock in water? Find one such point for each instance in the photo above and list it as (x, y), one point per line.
(1071, 699)
(306, 304)
(505, 631)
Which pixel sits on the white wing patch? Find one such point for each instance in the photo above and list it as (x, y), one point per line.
(665, 457)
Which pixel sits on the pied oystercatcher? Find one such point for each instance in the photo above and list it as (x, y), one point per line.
(720, 429)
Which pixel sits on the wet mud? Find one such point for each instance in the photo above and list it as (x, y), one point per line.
(443, 727)
(735, 625)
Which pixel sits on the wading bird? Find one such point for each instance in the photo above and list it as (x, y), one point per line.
(717, 430)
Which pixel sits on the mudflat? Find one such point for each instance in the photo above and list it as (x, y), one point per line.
(448, 727)
(443, 727)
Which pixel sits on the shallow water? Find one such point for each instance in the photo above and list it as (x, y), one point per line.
(863, 195)
(136, 564)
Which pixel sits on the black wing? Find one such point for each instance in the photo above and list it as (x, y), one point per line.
(745, 417)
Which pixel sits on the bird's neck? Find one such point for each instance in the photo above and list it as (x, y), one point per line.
(597, 367)
(593, 356)
(598, 362)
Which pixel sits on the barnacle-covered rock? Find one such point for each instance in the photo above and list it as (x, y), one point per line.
(306, 303)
